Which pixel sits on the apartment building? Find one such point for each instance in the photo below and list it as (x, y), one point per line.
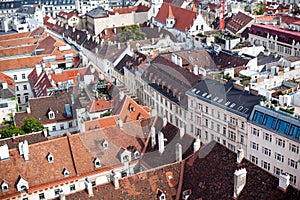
(273, 142)
(219, 111)
(283, 41)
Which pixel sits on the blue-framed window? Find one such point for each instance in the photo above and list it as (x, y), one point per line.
(258, 116)
(269, 121)
(282, 126)
(295, 131)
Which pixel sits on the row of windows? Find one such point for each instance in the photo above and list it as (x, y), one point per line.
(62, 126)
(279, 142)
(16, 77)
(24, 87)
(277, 171)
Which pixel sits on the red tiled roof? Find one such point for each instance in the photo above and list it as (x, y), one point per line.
(238, 22)
(18, 50)
(7, 79)
(170, 14)
(68, 15)
(39, 83)
(184, 18)
(47, 44)
(18, 63)
(18, 42)
(100, 105)
(13, 36)
(125, 10)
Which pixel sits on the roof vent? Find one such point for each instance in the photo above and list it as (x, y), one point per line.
(97, 163)
(105, 144)
(4, 153)
(65, 172)
(50, 157)
(4, 186)
(120, 123)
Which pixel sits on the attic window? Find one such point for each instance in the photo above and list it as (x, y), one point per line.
(50, 158)
(51, 114)
(137, 155)
(131, 109)
(65, 172)
(4, 186)
(97, 163)
(105, 144)
(126, 158)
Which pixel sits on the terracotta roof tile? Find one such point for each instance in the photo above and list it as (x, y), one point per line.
(7, 79)
(13, 36)
(18, 42)
(184, 18)
(18, 50)
(100, 105)
(18, 63)
(47, 44)
(238, 22)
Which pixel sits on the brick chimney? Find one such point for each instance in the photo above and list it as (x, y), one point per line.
(161, 142)
(239, 181)
(153, 136)
(284, 181)
(181, 132)
(178, 152)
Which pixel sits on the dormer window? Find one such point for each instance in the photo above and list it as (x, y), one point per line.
(125, 158)
(97, 163)
(65, 172)
(105, 144)
(50, 158)
(137, 155)
(22, 185)
(4, 186)
(51, 114)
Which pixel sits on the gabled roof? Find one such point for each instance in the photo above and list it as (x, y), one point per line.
(184, 18)
(67, 15)
(7, 79)
(39, 108)
(19, 63)
(47, 45)
(39, 83)
(209, 175)
(238, 22)
(99, 105)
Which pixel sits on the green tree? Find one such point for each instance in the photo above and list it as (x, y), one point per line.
(259, 10)
(10, 131)
(31, 125)
(132, 32)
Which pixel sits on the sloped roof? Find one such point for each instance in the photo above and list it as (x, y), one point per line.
(19, 63)
(39, 83)
(238, 22)
(184, 18)
(39, 108)
(7, 79)
(209, 175)
(68, 15)
(99, 105)
(47, 44)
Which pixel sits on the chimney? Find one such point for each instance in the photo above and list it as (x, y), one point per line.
(197, 144)
(115, 30)
(116, 181)
(284, 181)
(73, 29)
(240, 155)
(45, 132)
(239, 181)
(105, 31)
(119, 45)
(178, 152)
(165, 121)
(4, 153)
(89, 187)
(38, 69)
(153, 138)
(120, 123)
(28, 109)
(25, 150)
(4, 85)
(121, 96)
(62, 195)
(181, 132)
(161, 142)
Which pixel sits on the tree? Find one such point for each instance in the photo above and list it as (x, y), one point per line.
(31, 125)
(10, 131)
(132, 32)
(259, 10)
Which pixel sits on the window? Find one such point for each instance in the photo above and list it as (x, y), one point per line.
(212, 126)
(23, 76)
(56, 192)
(233, 121)
(292, 163)
(15, 77)
(25, 87)
(17, 88)
(206, 122)
(267, 137)
(70, 124)
(72, 187)
(232, 135)
(265, 165)
(242, 139)
(266, 151)
(42, 196)
(292, 179)
(280, 142)
(224, 130)
(206, 135)
(277, 171)
(231, 147)
(198, 132)
(212, 112)
(243, 125)
(218, 128)
(255, 132)
(206, 109)
(225, 117)
(199, 107)
(254, 146)
(279, 157)
(62, 127)
(253, 159)
(257, 117)
(218, 115)
(198, 120)
(224, 142)
(293, 148)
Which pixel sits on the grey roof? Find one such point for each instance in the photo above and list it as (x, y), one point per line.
(10, 5)
(97, 12)
(6, 93)
(225, 96)
(26, 10)
(177, 79)
(49, 2)
(263, 59)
